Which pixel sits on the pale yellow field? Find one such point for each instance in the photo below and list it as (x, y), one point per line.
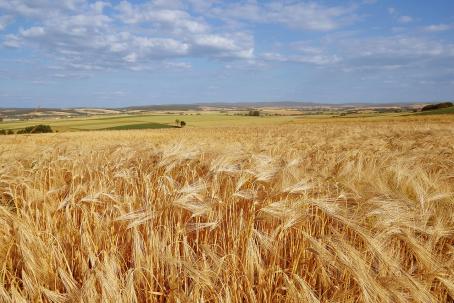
(309, 212)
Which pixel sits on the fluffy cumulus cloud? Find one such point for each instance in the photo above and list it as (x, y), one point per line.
(161, 18)
(82, 35)
(40, 9)
(102, 35)
(133, 35)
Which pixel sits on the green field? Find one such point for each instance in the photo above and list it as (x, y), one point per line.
(199, 119)
(141, 126)
(441, 111)
(147, 121)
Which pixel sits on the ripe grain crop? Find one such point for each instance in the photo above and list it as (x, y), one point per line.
(323, 212)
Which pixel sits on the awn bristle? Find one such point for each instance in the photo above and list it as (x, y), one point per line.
(299, 213)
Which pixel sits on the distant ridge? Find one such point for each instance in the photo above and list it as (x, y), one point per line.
(301, 104)
(195, 106)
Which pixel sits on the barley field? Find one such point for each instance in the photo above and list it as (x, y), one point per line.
(310, 212)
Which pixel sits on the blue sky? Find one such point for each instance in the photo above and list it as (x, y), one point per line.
(71, 53)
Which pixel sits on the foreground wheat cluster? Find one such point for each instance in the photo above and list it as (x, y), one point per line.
(301, 213)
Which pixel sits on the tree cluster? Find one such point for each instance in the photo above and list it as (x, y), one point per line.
(6, 132)
(254, 113)
(437, 106)
(36, 129)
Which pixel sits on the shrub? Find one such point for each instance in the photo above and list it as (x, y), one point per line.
(10, 132)
(37, 129)
(182, 124)
(254, 113)
(2, 132)
(437, 106)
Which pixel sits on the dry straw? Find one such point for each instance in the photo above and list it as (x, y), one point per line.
(335, 212)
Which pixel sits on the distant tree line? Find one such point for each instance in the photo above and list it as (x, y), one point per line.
(254, 113)
(6, 132)
(36, 129)
(437, 106)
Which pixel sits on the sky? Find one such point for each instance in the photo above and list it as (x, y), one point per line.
(74, 53)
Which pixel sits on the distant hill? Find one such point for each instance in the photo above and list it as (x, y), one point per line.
(174, 107)
(38, 113)
(300, 104)
(208, 104)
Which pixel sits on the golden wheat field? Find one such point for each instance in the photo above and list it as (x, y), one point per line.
(322, 212)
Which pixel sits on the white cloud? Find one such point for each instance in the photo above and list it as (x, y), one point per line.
(177, 65)
(403, 46)
(165, 19)
(215, 42)
(273, 56)
(160, 47)
(39, 9)
(130, 58)
(33, 32)
(303, 52)
(306, 47)
(12, 41)
(4, 21)
(391, 54)
(99, 6)
(238, 45)
(400, 18)
(318, 59)
(308, 58)
(299, 15)
(438, 27)
(80, 36)
(405, 19)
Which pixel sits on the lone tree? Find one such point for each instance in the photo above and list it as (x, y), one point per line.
(177, 122)
(182, 124)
